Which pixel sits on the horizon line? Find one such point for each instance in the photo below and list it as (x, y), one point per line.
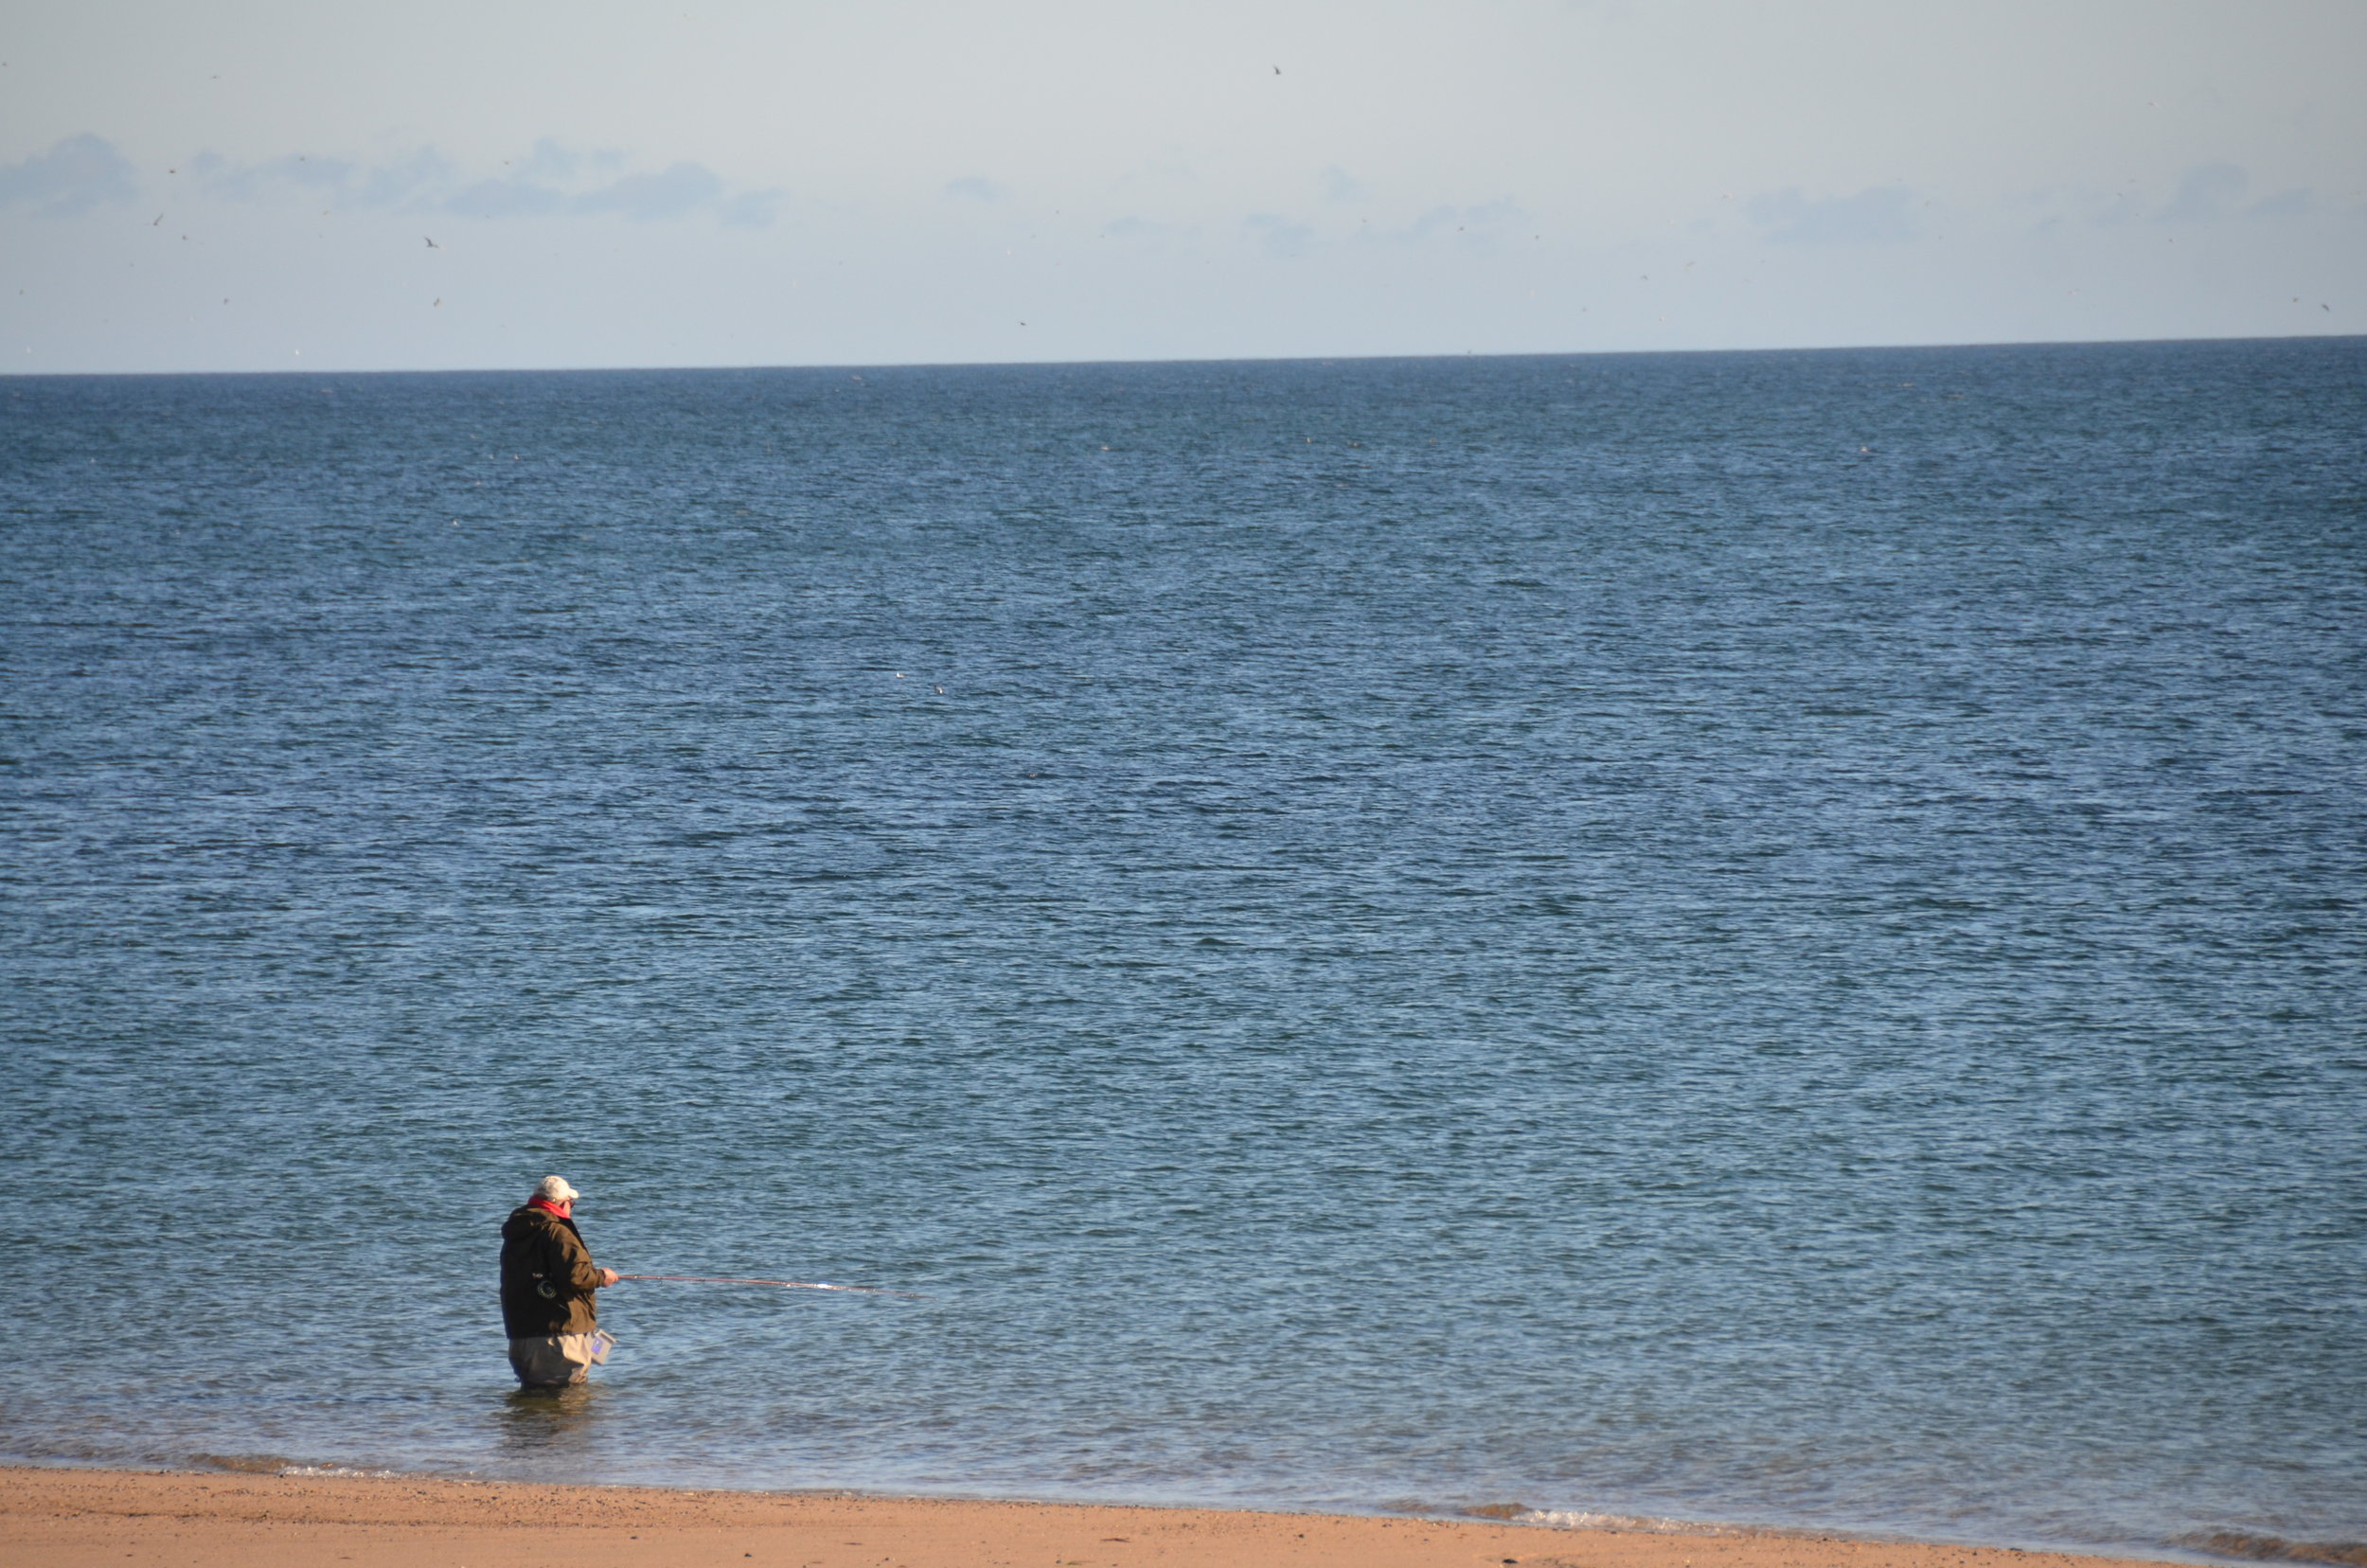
(1241, 359)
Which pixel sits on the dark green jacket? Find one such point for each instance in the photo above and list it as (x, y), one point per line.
(548, 1276)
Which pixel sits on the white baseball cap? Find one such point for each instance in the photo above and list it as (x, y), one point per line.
(554, 1189)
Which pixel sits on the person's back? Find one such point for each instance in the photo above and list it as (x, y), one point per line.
(547, 1281)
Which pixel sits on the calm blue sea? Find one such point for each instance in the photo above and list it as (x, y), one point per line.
(1764, 937)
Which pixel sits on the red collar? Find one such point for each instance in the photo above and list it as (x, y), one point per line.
(547, 1207)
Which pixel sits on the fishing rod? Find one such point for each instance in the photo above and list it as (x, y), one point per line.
(784, 1284)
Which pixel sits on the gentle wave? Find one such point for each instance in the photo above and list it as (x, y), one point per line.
(1578, 1519)
(2268, 1548)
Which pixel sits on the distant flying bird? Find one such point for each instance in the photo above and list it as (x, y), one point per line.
(430, 244)
(158, 219)
(1277, 70)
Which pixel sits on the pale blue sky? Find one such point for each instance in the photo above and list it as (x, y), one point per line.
(245, 185)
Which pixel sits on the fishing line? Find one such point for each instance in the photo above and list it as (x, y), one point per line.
(784, 1284)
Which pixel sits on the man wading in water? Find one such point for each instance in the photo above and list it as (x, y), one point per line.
(547, 1281)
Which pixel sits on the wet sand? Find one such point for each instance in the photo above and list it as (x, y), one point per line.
(82, 1519)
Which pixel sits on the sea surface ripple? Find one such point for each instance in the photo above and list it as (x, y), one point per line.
(1766, 938)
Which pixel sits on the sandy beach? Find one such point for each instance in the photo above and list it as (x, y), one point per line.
(80, 1519)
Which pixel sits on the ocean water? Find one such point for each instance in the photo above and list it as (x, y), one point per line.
(1767, 937)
